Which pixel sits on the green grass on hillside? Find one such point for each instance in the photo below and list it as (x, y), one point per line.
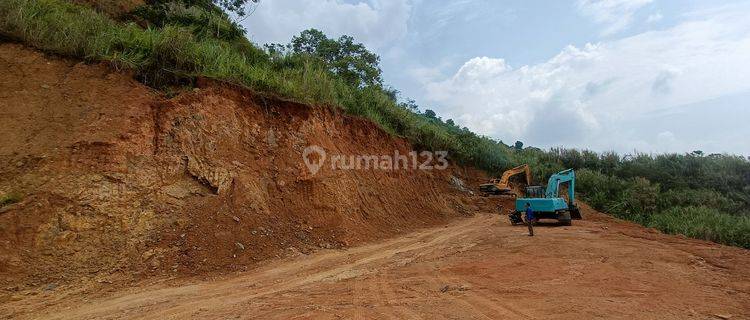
(704, 223)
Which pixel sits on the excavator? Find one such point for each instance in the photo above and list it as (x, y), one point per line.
(548, 204)
(502, 186)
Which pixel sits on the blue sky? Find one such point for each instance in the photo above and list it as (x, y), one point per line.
(623, 75)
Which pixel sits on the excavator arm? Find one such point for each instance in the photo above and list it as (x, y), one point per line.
(502, 185)
(553, 189)
(553, 184)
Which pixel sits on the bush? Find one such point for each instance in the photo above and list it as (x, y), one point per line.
(641, 197)
(704, 223)
(203, 22)
(696, 198)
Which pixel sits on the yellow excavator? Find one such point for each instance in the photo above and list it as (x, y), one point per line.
(502, 186)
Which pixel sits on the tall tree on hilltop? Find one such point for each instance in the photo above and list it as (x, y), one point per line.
(350, 60)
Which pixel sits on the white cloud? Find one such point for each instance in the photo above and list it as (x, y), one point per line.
(597, 95)
(375, 22)
(480, 69)
(655, 17)
(615, 15)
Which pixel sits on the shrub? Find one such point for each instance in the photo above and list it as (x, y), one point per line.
(697, 198)
(704, 223)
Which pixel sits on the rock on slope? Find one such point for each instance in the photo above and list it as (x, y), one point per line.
(116, 177)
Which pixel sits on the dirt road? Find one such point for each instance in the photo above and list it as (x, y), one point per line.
(474, 268)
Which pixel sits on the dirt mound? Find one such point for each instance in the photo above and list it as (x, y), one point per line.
(114, 176)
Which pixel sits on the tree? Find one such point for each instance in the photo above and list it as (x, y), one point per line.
(236, 6)
(410, 105)
(519, 145)
(276, 49)
(350, 60)
(430, 114)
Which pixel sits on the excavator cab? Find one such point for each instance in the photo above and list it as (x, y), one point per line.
(534, 192)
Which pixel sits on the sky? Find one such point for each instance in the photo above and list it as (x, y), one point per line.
(624, 75)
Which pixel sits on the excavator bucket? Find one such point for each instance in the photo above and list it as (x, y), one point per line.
(575, 213)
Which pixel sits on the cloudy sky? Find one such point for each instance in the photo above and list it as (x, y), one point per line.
(624, 75)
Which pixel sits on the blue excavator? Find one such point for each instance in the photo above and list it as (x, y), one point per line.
(547, 203)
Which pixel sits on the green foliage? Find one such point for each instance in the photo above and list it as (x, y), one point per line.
(640, 197)
(602, 191)
(202, 23)
(704, 223)
(158, 56)
(717, 180)
(706, 197)
(351, 61)
(698, 197)
(235, 6)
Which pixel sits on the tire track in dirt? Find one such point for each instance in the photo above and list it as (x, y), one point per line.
(437, 284)
(402, 279)
(186, 300)
(480, 302)
(389, 296)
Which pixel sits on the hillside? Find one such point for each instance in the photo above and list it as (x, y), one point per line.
(115, 176)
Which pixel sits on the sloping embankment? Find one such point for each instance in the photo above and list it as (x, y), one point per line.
(116, 177)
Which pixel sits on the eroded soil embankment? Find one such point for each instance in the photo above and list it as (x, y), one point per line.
(115, 177)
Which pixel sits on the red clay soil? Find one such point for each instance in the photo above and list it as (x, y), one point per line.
(115, 177)
(477, 267)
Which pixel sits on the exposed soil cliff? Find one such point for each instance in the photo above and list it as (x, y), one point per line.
(114, 176)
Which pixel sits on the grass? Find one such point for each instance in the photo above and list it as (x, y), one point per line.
(704, 223)
(158, 56)
(696, 213)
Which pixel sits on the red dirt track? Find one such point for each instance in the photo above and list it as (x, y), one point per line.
(473, 268)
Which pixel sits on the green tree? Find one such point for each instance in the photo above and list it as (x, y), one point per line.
(349, 60)
(519, 145)
(236, 6)
(410, 105)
